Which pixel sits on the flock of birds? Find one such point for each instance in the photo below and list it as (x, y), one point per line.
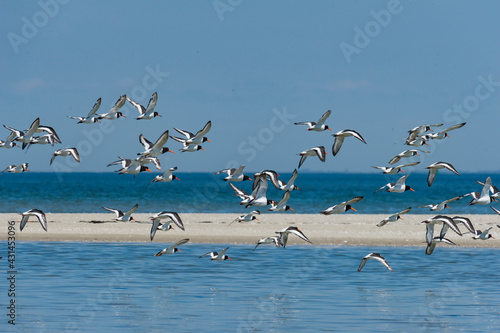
(418, 136)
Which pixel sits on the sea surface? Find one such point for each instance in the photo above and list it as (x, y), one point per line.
(122, 287)
(206, 193)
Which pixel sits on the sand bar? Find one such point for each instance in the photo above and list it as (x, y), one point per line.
(341, 229)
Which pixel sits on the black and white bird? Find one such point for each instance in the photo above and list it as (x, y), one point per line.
(219, 256)
(234, 175)
(397, 187)
(342, 207)
(466, 222)
(91, 117)
(317, 126)
(316, 151)
(447, 223)
(281, 206)
(406, 153)
(434, 167)
(289, 186)
(16, 168)
(340, 136)
(419, 141)
(259, 193)
(136, 166)
(25, 136)
(269, 174)
(393, 217)
(172, 216)
(374, 256)
(432, 245)
(66, 152)
(442, 134)
(191, 148)
(194, 139)
(146, 112)
(123, 217)
(36, 213)
(246, 217)
(166, 177)
(172, 248)
(396, 169)
(244, 196)
(113, 113)
(416, 131)
(276, 240)
(45, 139)
(442, 205)
(9, 143)
(483, 198)
(154, 149)
(291, 230)
(483, 235)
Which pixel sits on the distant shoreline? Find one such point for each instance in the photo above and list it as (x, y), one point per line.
(339, 229)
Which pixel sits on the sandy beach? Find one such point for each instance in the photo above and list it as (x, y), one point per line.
(342, 229)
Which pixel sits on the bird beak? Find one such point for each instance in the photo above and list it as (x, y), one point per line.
(173, 152)
(425, 143)
(330, 129)
(179, 250)
(417, 154)
(399, 217)
(326, 153)
(123, 115)
(354, 209)
(229, 258)
(202, 148)
(446, 206)
(209, 140)
(256, 219)
(159, 115)
(250, 178)
(27, 169)
(401, 171)
(412, 189)
(175, 177)
(291, 209)
(297, 188)
(147, 169)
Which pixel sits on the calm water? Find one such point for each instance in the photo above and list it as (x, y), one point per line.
(84, 287)
(199, 192)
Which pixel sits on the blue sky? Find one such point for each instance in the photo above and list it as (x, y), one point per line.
(253, 68)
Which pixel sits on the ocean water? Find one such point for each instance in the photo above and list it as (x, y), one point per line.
(206, 193)
(122, 287)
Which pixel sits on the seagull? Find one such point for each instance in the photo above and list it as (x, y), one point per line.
(155, 149)
(172, 248)
(276, 240)
(167, 177)
(398, 187)
(120, 216)
(406, 153)
(393, 217)
(317, 126)
(430, 246)
(396, 169)
(340, 136)
(466, 222)
(414, 132)
(38, 214)
(484, 197)
(246, 217)
(25, 137)
(174, 217)
(194, 139)
(221, 256)
(281, 206)
(483, 235)
(66, 152)
(290, 185)
(291, 230)
(316, 151)
(375, 256)
(441, 205)
(433, 168)
(16, 168)
(234, 175)
(113, 113)
(148, 112)
(342, 207)
(444, 133)
(9, 141)
(91, 117)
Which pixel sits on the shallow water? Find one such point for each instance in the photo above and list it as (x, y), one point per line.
(206, 193)
(78, 286)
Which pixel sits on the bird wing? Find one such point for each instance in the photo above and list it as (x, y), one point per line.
(119, 103)
(406, 165)
(201, 133)
(453, 199)
(221, 254)
(404, 211)
(467, 222)
(145, 142)
(395, 159)
(152, 103)
(94, 108)
(74, 153)
(362, 264)
(431, 176)
(154, 227)
(187, 134)
(118, 212)
(382, 260)
(175, 218)
(242, 194)
(337, 144)
(33, 127)
(182, 241)
(323, 118)
(486, 187)
(429, 233)
(292, 179)
(449, 167)
(453, 127)
(284, 199)
(161, 140)
(302, 159)
(353, 200)
(138, 106)
(430, 248)
(300, 234)
(238, 172)
(401, 181)
(24, 220)
(130, 212)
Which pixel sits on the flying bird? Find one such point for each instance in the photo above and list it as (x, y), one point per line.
(36, 213)
(16, 168)
(430, 246)
(406, 153)
(416, 131)
(396, 169)
(246, 217)
(276, 240)
(66, 152)
(398, 187)
(221, 256)
(91, 117)
(154, 149)
(393, 217)
(444, 133)
(234, 175)
(172, 216)
(172, 248)
(374, 256)
(146, 112)
(317, 126)
(340, 136)
(24, 136)
(194, 139)
(113, 113)
(281, 206)
(291, 230)
(483, 235)
(316, 151)
(342, 207)
(441, 205)
(166, 177)
(434, 167)
(484, 197)
(123, 217)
